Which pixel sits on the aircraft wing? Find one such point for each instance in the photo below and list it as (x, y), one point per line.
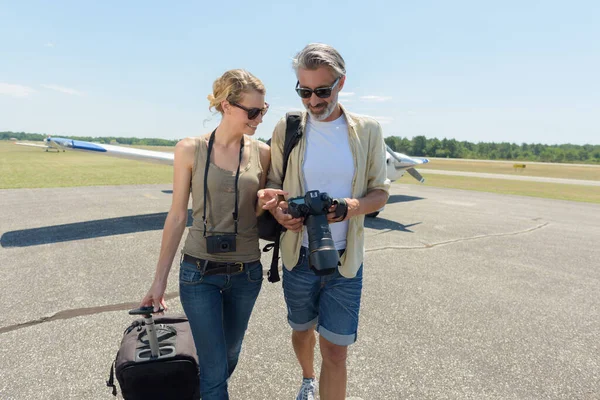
(397, 163)
(33, 145)
(130, 153)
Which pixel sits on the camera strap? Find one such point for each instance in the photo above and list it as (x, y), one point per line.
(341, 209)
(237, 176)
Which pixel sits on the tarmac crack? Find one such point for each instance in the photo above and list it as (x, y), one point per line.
(429, 246)
(79, 312)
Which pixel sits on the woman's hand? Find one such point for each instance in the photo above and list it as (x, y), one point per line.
(268, 199)
(155, 296)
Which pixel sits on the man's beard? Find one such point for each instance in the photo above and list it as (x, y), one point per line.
(323, 113)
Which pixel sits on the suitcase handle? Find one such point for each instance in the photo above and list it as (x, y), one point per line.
(146, 311)
(152, 339)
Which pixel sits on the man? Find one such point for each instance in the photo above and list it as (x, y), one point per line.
(342, 154)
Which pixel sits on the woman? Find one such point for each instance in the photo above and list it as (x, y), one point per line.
(220, 270)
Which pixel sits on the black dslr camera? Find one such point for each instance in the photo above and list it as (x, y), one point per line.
(220, 243)
(313, 207)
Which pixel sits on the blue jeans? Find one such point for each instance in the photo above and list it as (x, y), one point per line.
(331, 302)
(218, 308)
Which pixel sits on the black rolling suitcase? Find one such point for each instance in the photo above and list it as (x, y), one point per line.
(157, 359)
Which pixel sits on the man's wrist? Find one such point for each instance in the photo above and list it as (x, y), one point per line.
(353, 208)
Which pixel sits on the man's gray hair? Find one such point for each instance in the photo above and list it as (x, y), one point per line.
(315, 55)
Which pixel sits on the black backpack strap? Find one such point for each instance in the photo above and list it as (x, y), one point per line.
(292, 137)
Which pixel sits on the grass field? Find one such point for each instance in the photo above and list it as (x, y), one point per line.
(30, 167)
(590, 194)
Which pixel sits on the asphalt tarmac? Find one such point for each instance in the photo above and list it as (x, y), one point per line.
(467, 295)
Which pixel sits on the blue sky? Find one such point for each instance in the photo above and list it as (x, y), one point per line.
(516, 71)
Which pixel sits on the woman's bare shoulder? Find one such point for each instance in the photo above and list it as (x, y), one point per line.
(185, 149)
(189, 143)
(263, 147)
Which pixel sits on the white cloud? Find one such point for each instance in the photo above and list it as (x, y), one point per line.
(63, 90)
(376, 98)
(346, 94)
(15, 90)
(49, 44)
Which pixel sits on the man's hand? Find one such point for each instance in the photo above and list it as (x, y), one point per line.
(353, 205)
(331, 218)
(269, 198)
(286, 220)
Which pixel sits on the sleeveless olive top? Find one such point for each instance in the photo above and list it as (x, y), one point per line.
(220, 205)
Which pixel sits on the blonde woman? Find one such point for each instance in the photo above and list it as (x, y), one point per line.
(220, 270)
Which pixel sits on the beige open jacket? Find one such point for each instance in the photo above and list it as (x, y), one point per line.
(368, 149)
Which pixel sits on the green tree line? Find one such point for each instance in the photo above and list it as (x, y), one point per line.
(104, 140)
(418, 146)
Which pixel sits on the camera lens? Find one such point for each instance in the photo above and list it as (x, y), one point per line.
(224, 246)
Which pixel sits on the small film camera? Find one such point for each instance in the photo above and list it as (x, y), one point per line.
(313, 207)
(220, 243)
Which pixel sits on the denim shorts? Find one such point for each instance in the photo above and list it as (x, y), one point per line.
(330, 302)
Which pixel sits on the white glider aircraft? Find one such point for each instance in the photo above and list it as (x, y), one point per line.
(397, 163)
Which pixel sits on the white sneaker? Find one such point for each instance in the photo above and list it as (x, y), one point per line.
(307, 390)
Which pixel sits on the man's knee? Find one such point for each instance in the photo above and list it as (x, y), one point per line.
(333, 353)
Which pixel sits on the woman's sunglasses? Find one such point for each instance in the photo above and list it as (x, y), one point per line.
(252, 112)
(323, 92)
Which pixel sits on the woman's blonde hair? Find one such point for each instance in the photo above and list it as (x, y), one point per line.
(231, 86)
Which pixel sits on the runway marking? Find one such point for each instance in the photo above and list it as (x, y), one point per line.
(79, 312)
(528, 178)
(428, 246)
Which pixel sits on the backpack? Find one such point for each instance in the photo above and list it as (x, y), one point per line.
(268, 227)
(171, 375)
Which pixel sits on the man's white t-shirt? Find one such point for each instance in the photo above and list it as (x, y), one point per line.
(329, 167)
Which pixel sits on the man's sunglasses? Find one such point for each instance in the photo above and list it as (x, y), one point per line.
(323, 92)
(252, 112)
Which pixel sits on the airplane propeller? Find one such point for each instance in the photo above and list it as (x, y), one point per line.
(406, 159)
(415, 174)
